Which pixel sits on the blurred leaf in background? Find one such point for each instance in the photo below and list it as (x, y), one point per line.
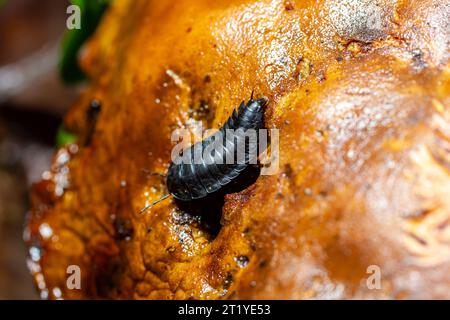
(91, 13)
(2, 2)
(64, 137)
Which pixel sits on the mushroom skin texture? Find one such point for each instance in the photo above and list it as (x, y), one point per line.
(360, 206)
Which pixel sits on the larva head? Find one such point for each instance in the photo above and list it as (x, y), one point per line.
(175, 184)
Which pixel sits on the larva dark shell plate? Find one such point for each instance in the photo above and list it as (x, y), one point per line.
(190, 181)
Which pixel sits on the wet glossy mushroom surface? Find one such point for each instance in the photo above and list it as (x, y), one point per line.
(359, 91)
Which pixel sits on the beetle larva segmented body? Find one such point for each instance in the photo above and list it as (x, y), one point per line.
(190, 177)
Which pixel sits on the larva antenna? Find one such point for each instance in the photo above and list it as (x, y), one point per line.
(251, 97)
(157, 174)
(153, 203)
(148, 173)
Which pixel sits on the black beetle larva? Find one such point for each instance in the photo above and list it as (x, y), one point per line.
(187, 181)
